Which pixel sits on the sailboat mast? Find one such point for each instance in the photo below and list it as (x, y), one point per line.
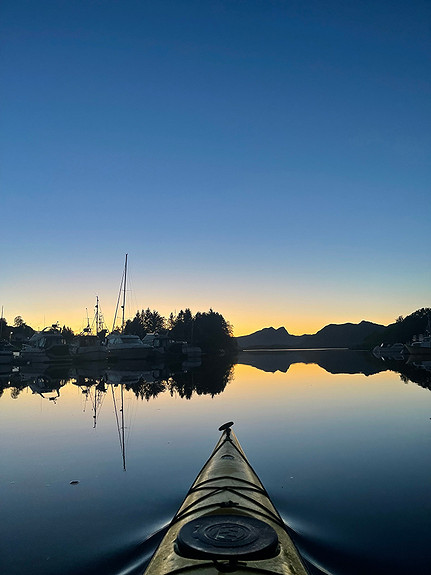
(97, 315)
(124, 295)
(122, 289)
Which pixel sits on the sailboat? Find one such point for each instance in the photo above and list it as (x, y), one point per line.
(118, 344)
(88, 346)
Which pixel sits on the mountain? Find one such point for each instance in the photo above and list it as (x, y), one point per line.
(333, 335)
(405, 329)
(267, 337)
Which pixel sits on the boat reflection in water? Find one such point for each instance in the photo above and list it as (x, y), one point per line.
(6, 352)
(210, 375)
(46, 383)
(145, 379)
(388, 350)
(134, 373)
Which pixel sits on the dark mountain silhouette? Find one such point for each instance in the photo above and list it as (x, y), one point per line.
(405, 329)
(343, 335)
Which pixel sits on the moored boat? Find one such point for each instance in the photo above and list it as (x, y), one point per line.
(421, 344)
(87, 347)
(46, 346)
(227, 523)
(120, 346)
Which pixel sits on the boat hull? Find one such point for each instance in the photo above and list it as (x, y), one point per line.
(227, 487)
(96, 353)
(54, 354)
(128, 353)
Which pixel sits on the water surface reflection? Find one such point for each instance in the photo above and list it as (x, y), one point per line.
(340, 440)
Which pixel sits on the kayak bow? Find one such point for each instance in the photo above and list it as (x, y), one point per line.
(227, 523)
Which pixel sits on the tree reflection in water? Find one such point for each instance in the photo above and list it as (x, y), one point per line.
(208, 377)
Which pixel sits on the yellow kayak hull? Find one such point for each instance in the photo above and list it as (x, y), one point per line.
(227, 523)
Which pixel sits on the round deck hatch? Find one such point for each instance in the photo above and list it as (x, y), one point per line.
(227, 537)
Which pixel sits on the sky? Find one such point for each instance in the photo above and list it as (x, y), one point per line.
(267, 159)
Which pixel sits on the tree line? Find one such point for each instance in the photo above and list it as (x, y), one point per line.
(208, 330)
(403, 330)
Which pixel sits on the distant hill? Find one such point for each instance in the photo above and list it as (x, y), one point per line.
(342, 335)
(403, 330)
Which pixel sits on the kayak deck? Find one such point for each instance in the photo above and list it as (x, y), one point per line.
(227, 523)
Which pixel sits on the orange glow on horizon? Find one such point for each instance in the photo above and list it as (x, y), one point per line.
(76, 320)
(245, 321)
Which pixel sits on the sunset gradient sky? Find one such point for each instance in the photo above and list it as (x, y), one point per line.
(268, 159)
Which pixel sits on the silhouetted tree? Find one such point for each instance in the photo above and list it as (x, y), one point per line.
(401, 331)
(153, 321)
(171, 321)
(144, 322)
(135, 326)
(213, 333)
(18, 321)
(183, 326)
(21, 330)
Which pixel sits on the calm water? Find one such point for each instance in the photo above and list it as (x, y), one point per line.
(340, 440)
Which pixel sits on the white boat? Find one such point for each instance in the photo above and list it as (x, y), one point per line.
(45, 346)
(88, 347)
(121, 346)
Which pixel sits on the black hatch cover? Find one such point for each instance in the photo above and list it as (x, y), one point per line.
(227, 537)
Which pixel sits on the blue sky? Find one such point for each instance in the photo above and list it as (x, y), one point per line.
(268, 159)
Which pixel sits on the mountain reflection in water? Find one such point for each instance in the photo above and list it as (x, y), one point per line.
(338, 439)
(211, 376)
(339, 362)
